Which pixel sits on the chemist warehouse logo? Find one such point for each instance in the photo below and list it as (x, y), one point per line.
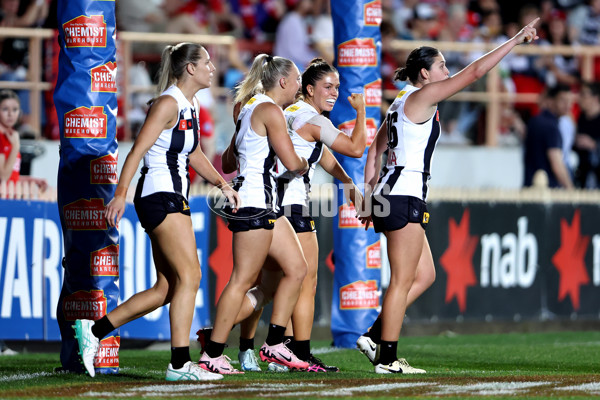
(85, 215)
(373, 13)
(105, 262)
(373, 94)
(373, 255)
(359, 295)
(85, 31)
(84, 305)
(86, 123)
(357, 53)
(108, 353)
(104, 78)
(103, 170)
(347, 217)
(348, 127)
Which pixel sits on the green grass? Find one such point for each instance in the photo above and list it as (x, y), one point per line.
(555, 359)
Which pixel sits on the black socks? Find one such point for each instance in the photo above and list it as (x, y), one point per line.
(275, 334)
(387, 353)
(102, 327)
(179, 356)
(246, 344)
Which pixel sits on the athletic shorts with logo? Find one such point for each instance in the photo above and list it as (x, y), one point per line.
(299, 218)
(250, 218)
(393, 212)
(153, 209)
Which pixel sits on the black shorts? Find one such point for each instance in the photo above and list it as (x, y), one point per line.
(298, 217)
(390, 213)
(153, 209)
(250, 218)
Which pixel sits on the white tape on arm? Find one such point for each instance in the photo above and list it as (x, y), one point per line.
(328, 131)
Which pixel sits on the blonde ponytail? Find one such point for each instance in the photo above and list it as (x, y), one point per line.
(174, 61)
(264, 74)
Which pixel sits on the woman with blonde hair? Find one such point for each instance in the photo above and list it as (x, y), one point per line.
(261, 135)
(167, 143)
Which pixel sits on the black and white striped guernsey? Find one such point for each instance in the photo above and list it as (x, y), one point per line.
(410, 151)
(255, 157)
(165, 167)
(291, 188)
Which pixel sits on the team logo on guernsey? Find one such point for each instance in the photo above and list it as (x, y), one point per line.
(84, 305)
(105, 262)
(103, 170)
(185, 124)
(373, 13)
(292, 108)
(400, 94)
(373, 94)
(85, 31)
(104, 78)
(86, 123)
(85, 215)
(357, 53)
(108, 353)
(347, 217)
(374, 255)
(359, 295)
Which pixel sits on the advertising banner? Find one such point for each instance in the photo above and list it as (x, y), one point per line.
(31, 274)
(356, 291)
(507, 261)
(86, 105)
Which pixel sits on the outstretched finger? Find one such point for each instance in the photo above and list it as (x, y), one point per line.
(532, 23)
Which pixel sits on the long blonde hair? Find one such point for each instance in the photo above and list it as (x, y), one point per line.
(264, 74)
(173, 63)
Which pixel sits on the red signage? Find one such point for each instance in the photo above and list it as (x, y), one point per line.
(105, 262)
(103, 170)
(85, 215)
(373, 94)
(373, 13)
(347, 217)
(83, 122)
(374, 255)
(108, 353)
(357, 53)
(85, 31)
(104, 78)
(84, 305)
(359, 295)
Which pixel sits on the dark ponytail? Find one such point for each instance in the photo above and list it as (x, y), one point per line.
(421, 57)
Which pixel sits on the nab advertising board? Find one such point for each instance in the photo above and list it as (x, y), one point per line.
(31, 272)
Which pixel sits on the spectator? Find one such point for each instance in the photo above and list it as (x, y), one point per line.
(587, 174)
(292, 40)
(140, 15)
(543, 142)
(424, 25)
(322, 31)
(558, 69)
(590, 29)
(525, 78)
(14, 52)
(10, 156)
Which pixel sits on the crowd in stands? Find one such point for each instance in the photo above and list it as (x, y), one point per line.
(303, 29)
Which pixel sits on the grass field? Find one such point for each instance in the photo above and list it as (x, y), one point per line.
(508, 366)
